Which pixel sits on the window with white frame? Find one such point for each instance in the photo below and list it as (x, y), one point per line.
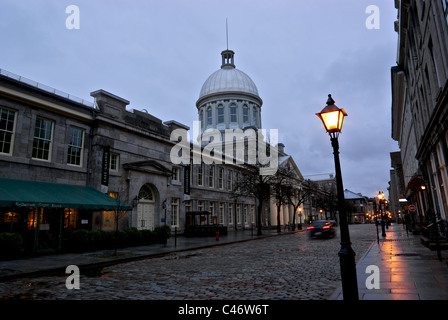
(201, 175)
(209, 117)
(211, 176)
(75, 146)
(238, 214)
(221, 178)
(175, 174)
(175, 212)
(230, 180)
(254, 116)
(201, 205)
(188, 206)
(233, 116)
(7, 130)
(211, 208)
(230, 213)
(114, 161)
(220, 114)
(43, 139)
(245, 114)
(221, 213)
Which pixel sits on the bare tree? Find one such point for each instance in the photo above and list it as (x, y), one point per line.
(252, 183)
(297, 194)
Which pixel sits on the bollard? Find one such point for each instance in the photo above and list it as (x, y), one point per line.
(217, 235)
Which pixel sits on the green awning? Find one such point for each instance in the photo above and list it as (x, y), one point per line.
(37, 194)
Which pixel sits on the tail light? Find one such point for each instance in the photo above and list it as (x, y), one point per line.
(326, 227)
(309, 228)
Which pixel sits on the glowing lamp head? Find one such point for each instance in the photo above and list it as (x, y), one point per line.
(332, 117)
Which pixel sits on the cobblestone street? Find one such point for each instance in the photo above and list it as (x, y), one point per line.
(286, 267)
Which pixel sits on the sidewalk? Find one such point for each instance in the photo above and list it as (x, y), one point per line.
(408, 270)
(56, 264)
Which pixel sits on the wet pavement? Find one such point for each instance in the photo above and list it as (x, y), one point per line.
(406, 269)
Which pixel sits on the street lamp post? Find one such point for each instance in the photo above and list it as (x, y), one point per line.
(381, 197)
(332, 118)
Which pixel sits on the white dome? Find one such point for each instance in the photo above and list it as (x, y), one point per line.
(228, 79)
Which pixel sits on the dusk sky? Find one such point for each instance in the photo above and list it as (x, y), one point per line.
(158, 53)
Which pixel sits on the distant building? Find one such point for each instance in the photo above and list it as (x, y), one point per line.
(356, 206)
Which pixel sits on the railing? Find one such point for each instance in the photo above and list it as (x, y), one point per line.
(46, 88)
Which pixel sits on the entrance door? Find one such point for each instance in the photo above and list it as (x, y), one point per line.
(145, 208)
(145, 215)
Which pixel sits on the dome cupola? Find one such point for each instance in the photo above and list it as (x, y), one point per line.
(229, 98)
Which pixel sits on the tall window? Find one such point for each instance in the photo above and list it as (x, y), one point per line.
(200, 205)
(43, 136)
(220, 114)
(175, 212)
(176, 174)
(200, 175)
(212, 211)
(220, 178)
(211, 176)
(75, 146)
(238, 214)
(230, 180)
(7, 130)
(254, 116)
(209, 117)
(114, 161)
(221, 213)
(233, 117)
(230, 213)
(245, 114)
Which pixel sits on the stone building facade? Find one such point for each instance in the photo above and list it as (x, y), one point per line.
(419, 106)
(47, 135)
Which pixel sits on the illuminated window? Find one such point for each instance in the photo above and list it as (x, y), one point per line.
(70, 218)
(32, 217)
(7, 130)
(75, 146)
(43, 136)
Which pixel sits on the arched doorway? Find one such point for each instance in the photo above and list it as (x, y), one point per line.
(145, 208)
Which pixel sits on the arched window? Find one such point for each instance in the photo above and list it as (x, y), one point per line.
(220, 114)
(233, 115)
(245, 114)
(209, 116)
(145, 193)
(254, 116)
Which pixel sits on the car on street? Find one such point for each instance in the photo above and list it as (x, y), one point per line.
(322, 229)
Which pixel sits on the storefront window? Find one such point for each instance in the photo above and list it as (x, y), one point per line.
(32, 217)
(70, 218)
